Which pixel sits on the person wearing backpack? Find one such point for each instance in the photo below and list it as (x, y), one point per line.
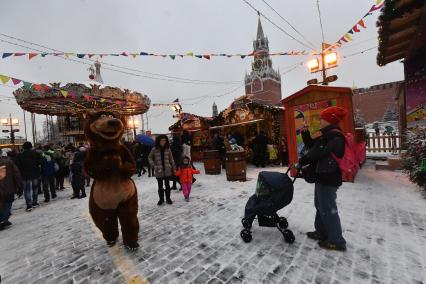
(324, 150)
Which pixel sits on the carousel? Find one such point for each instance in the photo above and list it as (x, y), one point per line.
(70, 101)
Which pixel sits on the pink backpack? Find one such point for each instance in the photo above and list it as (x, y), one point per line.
(348, 164)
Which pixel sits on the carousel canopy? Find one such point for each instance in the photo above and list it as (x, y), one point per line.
(74, 99)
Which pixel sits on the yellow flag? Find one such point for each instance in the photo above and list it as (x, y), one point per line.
(378, 2)
(134, 55)
(4, 79)
(348, 37)
(190, 54)
(64, 93)
(67, 54)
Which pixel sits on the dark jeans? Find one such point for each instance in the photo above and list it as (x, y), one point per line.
(7, 207)
(327, 221)
(30, 191)
(49, 182)
(78, 185)
(59, 179)
(161, 183)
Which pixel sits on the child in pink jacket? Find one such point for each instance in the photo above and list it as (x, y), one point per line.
(185, 176)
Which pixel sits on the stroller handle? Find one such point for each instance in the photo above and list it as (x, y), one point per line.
(297, 172)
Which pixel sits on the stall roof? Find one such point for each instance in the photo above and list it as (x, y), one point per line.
(312, 88)
(402, 30)
(236, 124)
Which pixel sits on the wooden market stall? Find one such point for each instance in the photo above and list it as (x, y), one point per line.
(245, 117)
(304, 107)
(198, 128)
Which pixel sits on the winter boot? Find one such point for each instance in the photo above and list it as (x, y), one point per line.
(315, 236)
(132, 246)
(331, 246)
(161, 196)
(168, 200)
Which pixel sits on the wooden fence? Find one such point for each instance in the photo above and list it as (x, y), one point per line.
(383, 143)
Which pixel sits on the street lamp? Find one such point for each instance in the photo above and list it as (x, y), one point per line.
(328, 60)
(10, 122)
(133, 124)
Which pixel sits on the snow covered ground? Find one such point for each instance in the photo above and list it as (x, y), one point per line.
(383, 216)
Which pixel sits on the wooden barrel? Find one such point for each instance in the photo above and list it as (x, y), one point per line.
(212, 163)
(236, 167)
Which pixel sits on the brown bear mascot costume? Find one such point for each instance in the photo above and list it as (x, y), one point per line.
(113, 195)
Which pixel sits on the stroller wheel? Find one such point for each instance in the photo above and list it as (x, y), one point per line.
(283, 223)
(246, 235)
(246, 224)
(289, 236)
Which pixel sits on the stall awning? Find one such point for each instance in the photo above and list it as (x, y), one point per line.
(236, 124)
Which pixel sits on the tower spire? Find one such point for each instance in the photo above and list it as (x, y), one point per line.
(259, 28)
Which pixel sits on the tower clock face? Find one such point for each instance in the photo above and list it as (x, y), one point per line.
(258, 64)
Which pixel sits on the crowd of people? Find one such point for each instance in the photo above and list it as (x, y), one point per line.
(40, 170)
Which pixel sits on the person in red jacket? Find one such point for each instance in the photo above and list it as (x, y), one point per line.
(185, 173)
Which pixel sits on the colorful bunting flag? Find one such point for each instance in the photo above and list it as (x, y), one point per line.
(133, 55)
(6, 55)
(27, 85)
(16, 81)
(4, 79)
(361, 23)
(172, 56)
(355, 28)
(343, 39)
(143, 53)
(351, 32)
(19, 54)
(90, 55)
(190, 54)
(123, 54)
(80, 55)
(43, 54)
(206, 56)
(348, 37)
(32, 55)
(64, 93)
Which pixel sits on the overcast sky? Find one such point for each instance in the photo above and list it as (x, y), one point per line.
(171, 26)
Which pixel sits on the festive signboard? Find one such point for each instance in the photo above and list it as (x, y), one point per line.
(309, 114)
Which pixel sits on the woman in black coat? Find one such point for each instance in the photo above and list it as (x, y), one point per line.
(321, 156)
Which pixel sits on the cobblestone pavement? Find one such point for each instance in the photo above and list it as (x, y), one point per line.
(383, 216)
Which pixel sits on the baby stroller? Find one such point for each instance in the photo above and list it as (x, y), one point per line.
(274, 191)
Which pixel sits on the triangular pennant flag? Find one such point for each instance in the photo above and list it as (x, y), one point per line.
(164, 55)
(80, 55)
(43, 54)
(190, 54)
(143, 53)
(348, 37)
(72, 94)
(133, 55)
(4, 79)
(37, 87)
(16, 81)
(67, 54)
(343, 39)
(19, 54)
(6, 55)
(123, 54)
(64, 93)
(181, 55)
(222, 54)
(172, 56)
(32, 55)
(376, 7)
(90, 55)
(27, 85)
(362, 24)
(351, 32)
(206, 56)
(243, 56)
(198, 56)
(229, 56)
(114, 54)
(355, 28)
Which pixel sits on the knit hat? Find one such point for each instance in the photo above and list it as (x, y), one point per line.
(333, 115)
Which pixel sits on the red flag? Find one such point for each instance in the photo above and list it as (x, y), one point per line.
(343, 39)
(31, 55)
(124, 54)
(355, 28)
(37, 87)
(362, 24)
(376, 7)
(90, 55)
(19, 54)
(206, 56)
(16, 81)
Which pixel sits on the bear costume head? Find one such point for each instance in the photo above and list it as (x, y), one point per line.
(104, 128)
(107, 157)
